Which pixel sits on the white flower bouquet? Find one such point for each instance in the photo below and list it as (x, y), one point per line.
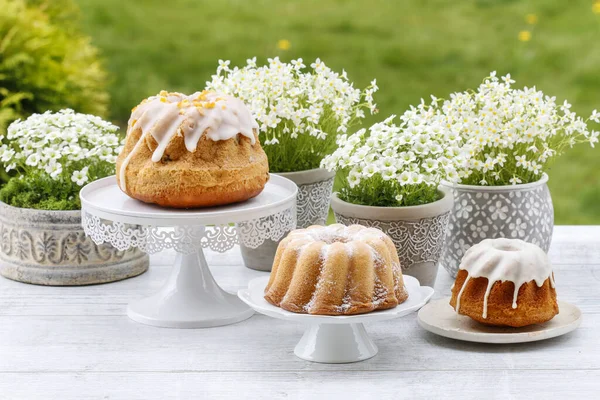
(300, 112)
(52, 155)
(507, 136)
(396, 165)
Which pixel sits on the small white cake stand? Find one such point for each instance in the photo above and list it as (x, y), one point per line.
(335, 339)
(440, 318)
(190, 298)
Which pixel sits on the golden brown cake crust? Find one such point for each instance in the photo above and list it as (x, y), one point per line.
(217, 173)
(534, 304)
(333, 274)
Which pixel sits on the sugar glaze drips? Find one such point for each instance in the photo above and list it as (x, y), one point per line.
(218, 116)
(505, 260)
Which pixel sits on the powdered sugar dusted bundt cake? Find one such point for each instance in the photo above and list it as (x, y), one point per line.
(505, 282)
(336, 270)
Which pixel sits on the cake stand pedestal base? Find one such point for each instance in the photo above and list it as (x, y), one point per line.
(190, 298)
(335, 339)
(335, 343)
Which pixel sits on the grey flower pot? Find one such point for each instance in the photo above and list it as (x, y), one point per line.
(312, 208)
(50, 248)
(418, 232)
(515, 211)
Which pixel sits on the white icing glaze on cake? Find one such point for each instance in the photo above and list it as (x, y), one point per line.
(218, 116)
(501, 260)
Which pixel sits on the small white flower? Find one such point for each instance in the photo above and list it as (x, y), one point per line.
(507, 79)
(535, 168)
(404, 178)
(515, 181)
(370, 170)
(80, 177)
(388, 174)
(33, 160)
(593, 137)
(353, 180)
(223, 65)
(521, 161)
(54, 169)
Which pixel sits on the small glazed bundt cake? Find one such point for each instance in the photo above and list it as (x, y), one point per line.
(505, 282)
(192, 151)
(336, 270)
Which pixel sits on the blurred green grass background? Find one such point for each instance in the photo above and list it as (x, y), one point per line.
(413, 48)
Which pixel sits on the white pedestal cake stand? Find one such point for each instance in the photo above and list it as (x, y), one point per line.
(335, 339)
(190, 298)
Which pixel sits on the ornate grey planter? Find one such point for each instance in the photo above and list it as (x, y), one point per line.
(515, 211)
(418, 232)
(50, 248)
(312, 207)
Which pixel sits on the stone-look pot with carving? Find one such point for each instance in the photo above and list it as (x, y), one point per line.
(417, 231)
(50, 248)
(522, 211)
(312, 207)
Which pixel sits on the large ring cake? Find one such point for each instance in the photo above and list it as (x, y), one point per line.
(192, 151)
(336, 270)
(505, 282)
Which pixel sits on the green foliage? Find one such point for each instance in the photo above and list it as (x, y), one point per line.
(375, 191)
(45, 62)
(302, 153)
(39, 191)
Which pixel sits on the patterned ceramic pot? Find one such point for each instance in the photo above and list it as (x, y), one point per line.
(312, 208)
(418, 232)
(516, 211)
(51, 248)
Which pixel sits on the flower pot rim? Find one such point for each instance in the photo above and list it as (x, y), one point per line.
(429, 210)
(301, 170)
(304, 171)
(307, 176)
(444, 191)
(497, 188)
(40, 211)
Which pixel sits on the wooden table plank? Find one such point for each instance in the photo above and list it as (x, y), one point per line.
(463, 384)
(109, 344)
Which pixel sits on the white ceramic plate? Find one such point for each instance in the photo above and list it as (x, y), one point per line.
(254, 297)
(440, 318)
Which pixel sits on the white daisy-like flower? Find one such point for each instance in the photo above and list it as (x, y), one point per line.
(515, 181)
(54, 169)
(80, 177)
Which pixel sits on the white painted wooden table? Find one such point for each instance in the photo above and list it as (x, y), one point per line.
(77, 343)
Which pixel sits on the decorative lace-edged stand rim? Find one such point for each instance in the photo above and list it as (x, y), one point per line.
(110, 216)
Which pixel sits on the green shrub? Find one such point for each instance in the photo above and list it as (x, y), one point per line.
(45, 62)
(40, 192)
